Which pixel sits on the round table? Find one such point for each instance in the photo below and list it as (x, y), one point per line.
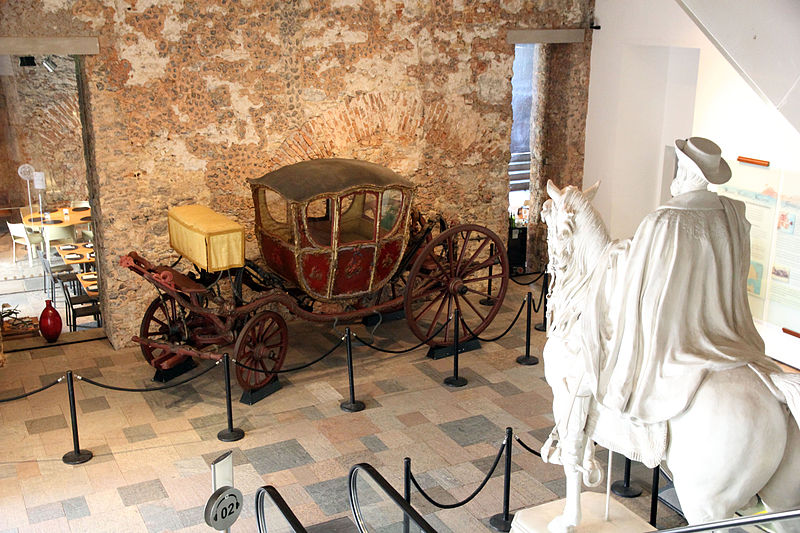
(74, 216)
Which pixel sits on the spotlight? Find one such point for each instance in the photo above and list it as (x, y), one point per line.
(49, 65)
(27, 61)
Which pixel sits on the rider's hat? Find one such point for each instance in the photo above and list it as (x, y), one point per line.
(706, 157)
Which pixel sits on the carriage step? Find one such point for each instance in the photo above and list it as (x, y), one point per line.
(440, 352)
(162, 376)
(249, 397)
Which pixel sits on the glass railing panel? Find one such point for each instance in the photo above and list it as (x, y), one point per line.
(379, 508)
(273, 515)
(773, 522)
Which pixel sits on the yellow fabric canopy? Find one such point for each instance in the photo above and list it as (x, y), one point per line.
(208, 239)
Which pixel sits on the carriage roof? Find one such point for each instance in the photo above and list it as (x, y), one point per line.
(304, 180)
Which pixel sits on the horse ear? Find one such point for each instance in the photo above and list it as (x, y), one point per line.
(553, 191)
(592, 191)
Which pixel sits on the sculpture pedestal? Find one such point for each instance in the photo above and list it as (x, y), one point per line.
(593, 508)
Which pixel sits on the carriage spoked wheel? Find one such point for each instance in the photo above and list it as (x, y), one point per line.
(162, 322)
(260, 346)
(452, 272)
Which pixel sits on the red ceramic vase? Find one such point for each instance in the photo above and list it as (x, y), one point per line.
(50, 323)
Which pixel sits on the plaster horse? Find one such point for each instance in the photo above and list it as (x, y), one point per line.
(734, 441)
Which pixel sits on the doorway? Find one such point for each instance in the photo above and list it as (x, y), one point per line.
(43, 169)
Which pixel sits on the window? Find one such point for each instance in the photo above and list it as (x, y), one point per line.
(391, 205)
(357, 217)
(318, 221)
(274, 214)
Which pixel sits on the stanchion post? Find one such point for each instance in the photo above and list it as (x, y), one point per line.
(654, 496)
(352, 405)
(76, 456)
(230, 434)
(455, 380)
(528, 359)
(623, 488)
(502, 521)
(406, 490)
(489, 300)
(542, 326)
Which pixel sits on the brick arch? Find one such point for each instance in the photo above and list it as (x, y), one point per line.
(390, 128)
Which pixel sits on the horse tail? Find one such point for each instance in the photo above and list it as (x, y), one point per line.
(789, 386)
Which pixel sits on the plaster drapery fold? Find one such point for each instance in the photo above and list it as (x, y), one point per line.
(683, 311)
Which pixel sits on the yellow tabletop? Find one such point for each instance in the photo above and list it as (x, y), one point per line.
(89, 283)
(57, 218)
(77, 253)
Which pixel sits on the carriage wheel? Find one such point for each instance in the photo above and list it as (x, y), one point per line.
(452, 273)
(162, 323)
(261, 345)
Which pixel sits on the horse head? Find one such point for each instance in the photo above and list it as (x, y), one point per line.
(575, 233)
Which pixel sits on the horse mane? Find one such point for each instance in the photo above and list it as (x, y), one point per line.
(590, 235)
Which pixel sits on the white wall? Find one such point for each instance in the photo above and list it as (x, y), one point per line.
(656, 77)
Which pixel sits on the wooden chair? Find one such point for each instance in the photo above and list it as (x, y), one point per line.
(79, 306)
(21, 235)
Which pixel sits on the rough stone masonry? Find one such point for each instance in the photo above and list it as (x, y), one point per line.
(186, 100)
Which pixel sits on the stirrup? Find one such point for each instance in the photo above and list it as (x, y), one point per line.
(592, 473)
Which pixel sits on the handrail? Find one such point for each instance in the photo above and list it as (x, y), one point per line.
(393, 495)
(280, 503)
(736, 522)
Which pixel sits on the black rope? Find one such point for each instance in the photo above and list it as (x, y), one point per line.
(126, 389)
(528, 448)
(471, 496)
(384, 350)
(293, 369)
(493, 339)
(534, 280)
(26, 394)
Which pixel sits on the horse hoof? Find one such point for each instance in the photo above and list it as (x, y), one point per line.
(560, 524)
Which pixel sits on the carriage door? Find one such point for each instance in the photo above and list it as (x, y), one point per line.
(355, 258)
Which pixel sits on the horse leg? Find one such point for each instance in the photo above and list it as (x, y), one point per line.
(782, 492)
(726, 446)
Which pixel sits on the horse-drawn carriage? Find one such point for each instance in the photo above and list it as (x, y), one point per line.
(341, 241)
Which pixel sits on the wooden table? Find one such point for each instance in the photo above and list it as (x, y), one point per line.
(57, 218)
(89, 283)
(80, 253)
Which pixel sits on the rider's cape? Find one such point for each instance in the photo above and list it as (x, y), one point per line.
(672, 307)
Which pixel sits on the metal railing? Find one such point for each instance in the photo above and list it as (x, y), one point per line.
(412, 521)
(727, 525)
(270, 493)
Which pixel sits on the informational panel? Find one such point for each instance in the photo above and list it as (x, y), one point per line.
(758, 188)
(784, 288)
(772, 201)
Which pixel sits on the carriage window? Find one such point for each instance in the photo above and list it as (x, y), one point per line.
(273, 214)
(318, 220)
(357, 217)
(391, 203)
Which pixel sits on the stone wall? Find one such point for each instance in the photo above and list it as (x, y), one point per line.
(44, 129)
(187, 100)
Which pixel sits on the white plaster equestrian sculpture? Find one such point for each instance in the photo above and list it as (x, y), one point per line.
(652, 351)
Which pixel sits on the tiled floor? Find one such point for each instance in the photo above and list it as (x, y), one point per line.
(152, 451)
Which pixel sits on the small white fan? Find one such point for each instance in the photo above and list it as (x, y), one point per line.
(26, 172)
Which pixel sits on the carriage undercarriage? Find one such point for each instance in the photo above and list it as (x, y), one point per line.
(436, 276)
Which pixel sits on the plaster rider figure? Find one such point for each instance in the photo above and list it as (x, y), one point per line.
(670, 307)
